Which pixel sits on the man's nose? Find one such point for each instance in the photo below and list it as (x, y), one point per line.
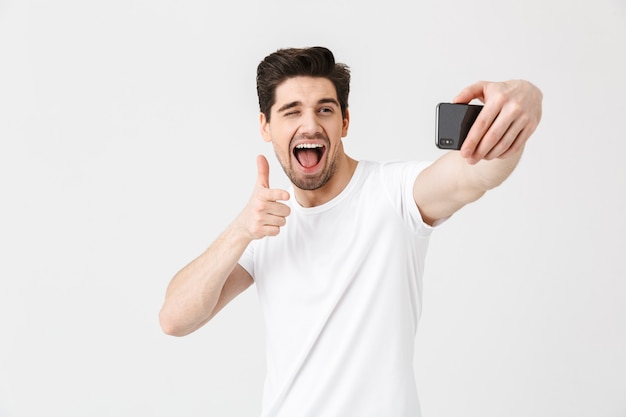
(310, 123)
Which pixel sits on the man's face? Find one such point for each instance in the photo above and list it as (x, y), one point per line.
(306, 130)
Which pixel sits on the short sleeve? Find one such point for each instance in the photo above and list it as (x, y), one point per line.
(399, 179)
(247, 258)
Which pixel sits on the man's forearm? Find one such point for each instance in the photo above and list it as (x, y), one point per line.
(451, 182)
(194, 292)
(486, 175)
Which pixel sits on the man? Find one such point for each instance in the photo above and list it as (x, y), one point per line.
(338, 260)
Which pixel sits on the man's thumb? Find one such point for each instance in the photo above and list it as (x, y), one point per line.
(471, 92)
(263, 172)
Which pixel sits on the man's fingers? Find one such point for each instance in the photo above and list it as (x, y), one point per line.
(510, 139)
(274, 208)
(268, 217)
(481, 126)
(486, 117)
(263, 172)
(511, 112)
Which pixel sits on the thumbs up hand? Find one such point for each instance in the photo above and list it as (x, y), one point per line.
(264, 214)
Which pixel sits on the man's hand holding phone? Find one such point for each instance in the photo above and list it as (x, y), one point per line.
(510, 114)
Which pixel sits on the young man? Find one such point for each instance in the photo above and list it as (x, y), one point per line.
(338, 260)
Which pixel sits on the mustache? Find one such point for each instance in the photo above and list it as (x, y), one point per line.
(305, 136)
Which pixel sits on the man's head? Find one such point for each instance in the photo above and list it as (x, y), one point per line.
(287, 63)
(303, 96)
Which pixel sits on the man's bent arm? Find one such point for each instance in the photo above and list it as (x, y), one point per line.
(204, 286)
(213, 279)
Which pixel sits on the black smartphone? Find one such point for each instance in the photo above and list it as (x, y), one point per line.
(453, 122)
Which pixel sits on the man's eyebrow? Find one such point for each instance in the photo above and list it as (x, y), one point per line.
(328, 100)
(299, 103)
(288, 106)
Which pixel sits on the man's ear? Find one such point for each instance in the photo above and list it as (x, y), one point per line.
(265, 128)
(346, 123)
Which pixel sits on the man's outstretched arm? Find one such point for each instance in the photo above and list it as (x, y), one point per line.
(491, 151)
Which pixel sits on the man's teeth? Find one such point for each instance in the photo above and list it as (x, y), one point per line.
(308, 146)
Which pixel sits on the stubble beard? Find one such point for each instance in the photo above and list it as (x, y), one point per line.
(310, 183)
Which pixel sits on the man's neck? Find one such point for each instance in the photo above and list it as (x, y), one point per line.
(330, 190)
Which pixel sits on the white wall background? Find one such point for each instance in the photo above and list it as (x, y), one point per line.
(128, 132)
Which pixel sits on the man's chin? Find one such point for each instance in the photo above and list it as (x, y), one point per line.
(311, 181)
(308, 183)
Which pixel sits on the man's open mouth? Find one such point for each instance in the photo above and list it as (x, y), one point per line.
(309, 154)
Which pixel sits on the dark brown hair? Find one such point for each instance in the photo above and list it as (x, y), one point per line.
(286, 63)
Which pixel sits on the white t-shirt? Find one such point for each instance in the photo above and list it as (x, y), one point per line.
(340, 291)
